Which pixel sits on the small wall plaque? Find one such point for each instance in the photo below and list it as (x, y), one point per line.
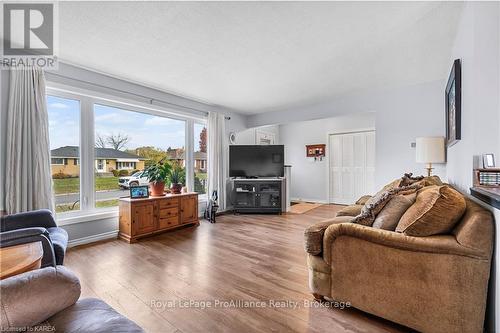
(315, 150)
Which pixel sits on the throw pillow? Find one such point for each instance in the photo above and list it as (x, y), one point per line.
(392, 212)
(371, 209)
(408, 179)
(436, 211)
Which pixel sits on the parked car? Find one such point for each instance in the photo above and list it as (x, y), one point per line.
(134, 180)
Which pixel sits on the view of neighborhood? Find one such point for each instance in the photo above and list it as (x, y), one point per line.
(123, 149)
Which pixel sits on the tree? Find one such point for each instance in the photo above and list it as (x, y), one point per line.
(203, 140)
(118, 141)
(100, 141)
(151, 154)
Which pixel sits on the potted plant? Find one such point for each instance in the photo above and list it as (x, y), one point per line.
(157, 175)
(176, 176)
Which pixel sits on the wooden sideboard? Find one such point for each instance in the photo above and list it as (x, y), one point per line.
(153, 215)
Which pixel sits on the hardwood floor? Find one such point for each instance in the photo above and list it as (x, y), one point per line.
(241, 257)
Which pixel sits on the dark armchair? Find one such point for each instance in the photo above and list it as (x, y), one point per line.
(38, 225)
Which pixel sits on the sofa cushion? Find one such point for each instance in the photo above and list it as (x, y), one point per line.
(352, 210)
(32, 297)
(371, 209)
(92, 315)
(436, 211)
(390, 215)
(313, 236)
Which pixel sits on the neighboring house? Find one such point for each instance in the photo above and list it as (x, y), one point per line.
(66, 160)
(200, 159)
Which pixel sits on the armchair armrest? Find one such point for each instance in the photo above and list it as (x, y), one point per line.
(30, 235)
(443, 244)
(37, 218)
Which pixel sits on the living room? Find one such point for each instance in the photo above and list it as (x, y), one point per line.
(235, 166)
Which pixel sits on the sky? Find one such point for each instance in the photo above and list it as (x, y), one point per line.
(143, 129)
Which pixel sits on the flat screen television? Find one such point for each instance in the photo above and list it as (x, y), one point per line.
(256, 161)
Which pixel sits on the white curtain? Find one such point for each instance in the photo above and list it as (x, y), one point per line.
(217, 157)
(28, 182)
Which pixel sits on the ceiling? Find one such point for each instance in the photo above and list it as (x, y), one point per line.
(255, 57)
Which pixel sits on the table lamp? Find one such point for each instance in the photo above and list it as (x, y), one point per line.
(430, 150)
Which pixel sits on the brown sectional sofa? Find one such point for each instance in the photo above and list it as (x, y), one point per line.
(431, 284)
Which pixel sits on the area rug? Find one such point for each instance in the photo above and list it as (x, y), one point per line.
(303, 207)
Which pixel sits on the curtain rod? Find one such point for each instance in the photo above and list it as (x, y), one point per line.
(151, 100)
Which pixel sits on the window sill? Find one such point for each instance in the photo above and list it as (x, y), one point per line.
(82, 217)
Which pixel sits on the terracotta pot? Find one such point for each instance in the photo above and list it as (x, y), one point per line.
(157, 189)
(176, 188)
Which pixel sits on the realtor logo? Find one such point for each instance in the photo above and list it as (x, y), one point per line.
(28, 29)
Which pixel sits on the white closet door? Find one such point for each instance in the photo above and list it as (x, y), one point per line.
(359, 167)
(370, 163)
(352, 166)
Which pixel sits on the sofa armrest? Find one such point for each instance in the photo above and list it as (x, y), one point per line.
(442, 244)
(313, 235)
(36, 218)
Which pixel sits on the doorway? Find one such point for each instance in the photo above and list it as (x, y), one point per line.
(351, 166)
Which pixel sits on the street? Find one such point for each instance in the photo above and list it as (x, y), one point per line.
(102, 195)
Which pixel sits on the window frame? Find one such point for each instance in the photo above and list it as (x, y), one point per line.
(204, 123)
(88, 98)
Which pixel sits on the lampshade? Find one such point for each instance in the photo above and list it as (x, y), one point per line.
(430, 149)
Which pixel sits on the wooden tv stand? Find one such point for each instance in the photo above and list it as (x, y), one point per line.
(149, 216)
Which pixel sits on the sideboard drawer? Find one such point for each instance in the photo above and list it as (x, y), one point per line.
(169, 212)
(168, 222)
(167, 203)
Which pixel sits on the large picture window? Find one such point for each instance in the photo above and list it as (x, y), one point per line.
(64, 136)
(101, 148)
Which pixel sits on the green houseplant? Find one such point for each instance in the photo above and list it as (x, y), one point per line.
(176, 179)
(157, 175)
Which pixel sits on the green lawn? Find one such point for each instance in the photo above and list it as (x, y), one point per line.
(99, 204)
(72, 185)
(201, 175)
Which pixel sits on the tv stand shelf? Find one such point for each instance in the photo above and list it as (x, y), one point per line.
(258, 195)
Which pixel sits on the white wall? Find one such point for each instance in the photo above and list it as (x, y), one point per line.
(477, 44)
(402, 114)
(248, 136)
(309, 177)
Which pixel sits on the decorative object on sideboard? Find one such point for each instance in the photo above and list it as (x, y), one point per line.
(157, 175)
(430, 150)
(317, 151)
(489, 161)
(453, 102)
(175, 178)
(138, 192)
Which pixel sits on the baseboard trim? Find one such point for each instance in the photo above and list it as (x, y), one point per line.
(93, 238)
(309, 200)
